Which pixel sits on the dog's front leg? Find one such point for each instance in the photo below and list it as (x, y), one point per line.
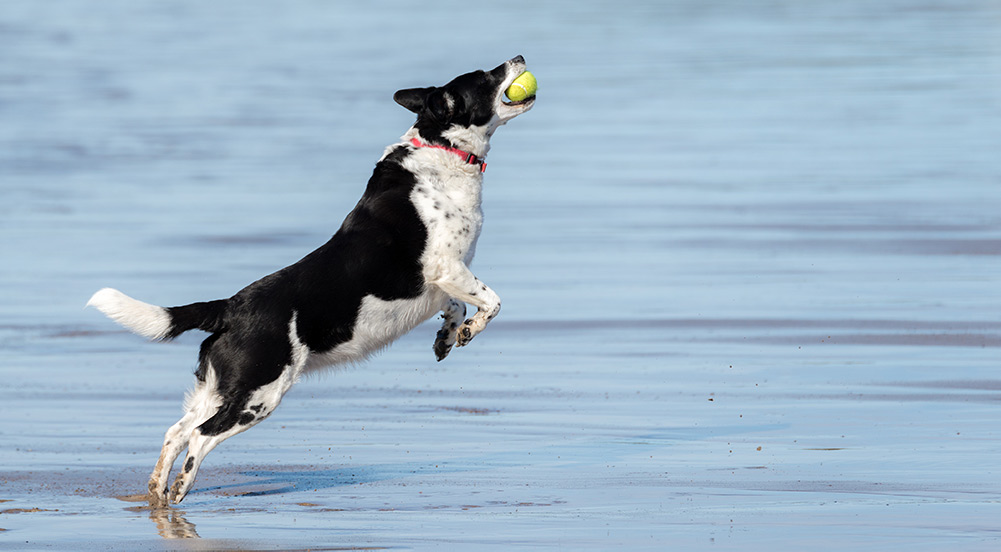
(453, 313)
(455, 279)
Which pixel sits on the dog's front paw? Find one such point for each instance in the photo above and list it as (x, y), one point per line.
(443, 343)
(467, 331)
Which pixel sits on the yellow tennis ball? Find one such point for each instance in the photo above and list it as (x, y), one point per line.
(525, 86)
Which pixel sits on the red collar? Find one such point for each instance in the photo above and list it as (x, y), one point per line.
(465, 155)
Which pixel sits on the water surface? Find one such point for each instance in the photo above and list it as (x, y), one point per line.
(749, 258)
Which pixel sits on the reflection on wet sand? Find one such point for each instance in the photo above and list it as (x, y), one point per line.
(170, 523)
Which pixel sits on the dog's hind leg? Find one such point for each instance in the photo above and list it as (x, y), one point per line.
(200, 404)
(241, 410)
(253, 376)
(235, 416)
(202, 441)
(174, 442)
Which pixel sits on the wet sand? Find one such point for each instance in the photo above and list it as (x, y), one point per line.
(749, 259)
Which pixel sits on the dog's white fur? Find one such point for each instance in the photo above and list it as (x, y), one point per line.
(379, 323)
(142, 318)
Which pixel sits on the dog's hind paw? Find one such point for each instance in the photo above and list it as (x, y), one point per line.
(157, 500)
(179, 490)
(156, 495)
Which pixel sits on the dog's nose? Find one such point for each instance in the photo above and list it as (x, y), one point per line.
(518, 59)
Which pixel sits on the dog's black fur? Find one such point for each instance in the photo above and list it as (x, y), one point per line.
(400, 256)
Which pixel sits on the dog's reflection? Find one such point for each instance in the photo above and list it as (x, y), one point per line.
(171, 524)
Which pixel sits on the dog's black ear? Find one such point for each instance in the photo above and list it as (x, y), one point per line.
(413, 98)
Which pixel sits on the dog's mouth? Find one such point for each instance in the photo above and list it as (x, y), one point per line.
(512, 103)
(506, 108)
(508, 101)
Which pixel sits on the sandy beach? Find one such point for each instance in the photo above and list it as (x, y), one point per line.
(749, 256)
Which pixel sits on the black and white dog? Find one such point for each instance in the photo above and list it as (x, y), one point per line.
(400, 257)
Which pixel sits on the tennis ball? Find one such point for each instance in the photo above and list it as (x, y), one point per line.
(525, 86)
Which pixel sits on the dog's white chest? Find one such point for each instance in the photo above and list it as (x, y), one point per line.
(449, 204)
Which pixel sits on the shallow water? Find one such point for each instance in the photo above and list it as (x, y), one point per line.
(749, 258)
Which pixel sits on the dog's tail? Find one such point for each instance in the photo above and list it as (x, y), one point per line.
(160, 323)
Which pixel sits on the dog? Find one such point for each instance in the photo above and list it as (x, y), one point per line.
(401, 256)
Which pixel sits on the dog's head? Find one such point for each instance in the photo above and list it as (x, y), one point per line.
(470, 107)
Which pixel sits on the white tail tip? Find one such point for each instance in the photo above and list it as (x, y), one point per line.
(142, 318)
